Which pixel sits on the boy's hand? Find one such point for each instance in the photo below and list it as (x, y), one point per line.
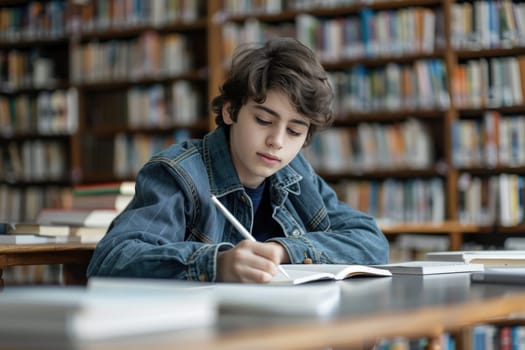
(248, 261)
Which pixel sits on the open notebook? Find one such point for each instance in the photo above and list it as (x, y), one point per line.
(304, 273)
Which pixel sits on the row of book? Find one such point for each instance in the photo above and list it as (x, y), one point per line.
(34, 160)
(495, 140)
(490, 336)
(493, 82)
(131, 152)
(414, 247)
(492, 200)
(446, 342)
(251, 31)
(418, 85)
(28, 68)
(125, 154)
(250, 7)
(372, 34)
(157, 105)
(474, 24)
(22, 204)
(372, 146)
(47, 20)
(148, 56)
(396, 201)
(47, 112)
(118, 14)
(33, 20)
(487, 24)
(33, 275)
(368, 33)
(147, 106)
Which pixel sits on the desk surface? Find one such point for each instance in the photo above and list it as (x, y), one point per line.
(74, 255)
(41, 247)
(370, 309)
(45, 253)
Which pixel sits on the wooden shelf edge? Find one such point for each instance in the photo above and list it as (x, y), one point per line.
(430, 227)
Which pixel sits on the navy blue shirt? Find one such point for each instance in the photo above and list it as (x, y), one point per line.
(264, 226)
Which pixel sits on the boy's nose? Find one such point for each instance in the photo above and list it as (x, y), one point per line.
(276, 139)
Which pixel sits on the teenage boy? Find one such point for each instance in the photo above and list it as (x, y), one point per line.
(273, 101)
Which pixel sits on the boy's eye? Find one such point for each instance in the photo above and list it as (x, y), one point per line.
(262, 121)
(293, 132)
(290, 131)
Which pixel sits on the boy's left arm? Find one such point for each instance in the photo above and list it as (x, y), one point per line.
(351, 237)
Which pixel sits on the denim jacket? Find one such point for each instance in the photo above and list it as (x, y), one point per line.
(172, 229)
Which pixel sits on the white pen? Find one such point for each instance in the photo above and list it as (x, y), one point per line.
(233, 220)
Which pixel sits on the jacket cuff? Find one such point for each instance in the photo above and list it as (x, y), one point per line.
(202, 265)
(300, 250)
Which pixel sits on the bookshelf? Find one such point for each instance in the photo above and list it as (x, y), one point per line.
(38, 123)
(421, 127)
(90, 89)
(428, 93)
(142, 76)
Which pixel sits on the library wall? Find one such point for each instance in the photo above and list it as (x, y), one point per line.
(89, 90)
(427, 92)
(429, 100)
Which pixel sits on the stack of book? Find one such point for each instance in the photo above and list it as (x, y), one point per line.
(35, 233)
(489, 258)
(93, 208)
(113, 195)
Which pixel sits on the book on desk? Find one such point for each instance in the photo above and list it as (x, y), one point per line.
(77, 217)
(105, 188)
(316, 299)
(28, 239)
(62, 316)
(41, 233)
(33, 228)
(489, 258)
(430, 267)
(106, 195)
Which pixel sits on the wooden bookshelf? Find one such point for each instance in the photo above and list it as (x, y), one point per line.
(143, 81)
(454, 229)
(460, 214)
(102, 56)
(36, 127)
(103, 114)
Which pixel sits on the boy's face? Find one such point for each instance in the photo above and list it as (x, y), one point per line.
(265, 138)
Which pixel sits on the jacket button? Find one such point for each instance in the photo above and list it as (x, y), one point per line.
(307, 261)
(203, 277)
(296, 232)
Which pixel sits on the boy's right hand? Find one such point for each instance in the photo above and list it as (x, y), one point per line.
(249, 262)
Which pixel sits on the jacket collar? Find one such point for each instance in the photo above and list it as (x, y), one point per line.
(221, 172)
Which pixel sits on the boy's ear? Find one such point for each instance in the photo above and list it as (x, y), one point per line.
(226, 114)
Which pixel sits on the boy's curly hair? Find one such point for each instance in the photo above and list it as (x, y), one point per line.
(282, 64)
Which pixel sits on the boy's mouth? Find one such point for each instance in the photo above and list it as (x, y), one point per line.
(269, 158)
